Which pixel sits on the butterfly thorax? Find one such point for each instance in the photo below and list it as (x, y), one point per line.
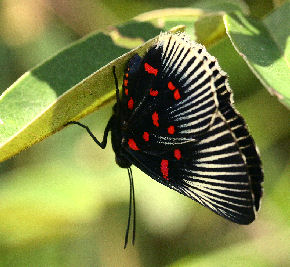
(116, 138)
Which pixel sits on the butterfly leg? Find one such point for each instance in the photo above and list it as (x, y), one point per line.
(117, 86)
(106, 132)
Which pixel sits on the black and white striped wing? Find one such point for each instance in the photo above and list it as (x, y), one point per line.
(180, 127)
(173, 85)
(212, 171)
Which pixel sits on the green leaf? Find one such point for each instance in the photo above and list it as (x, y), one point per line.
(76, 81)
(45, 98)
(210, 29)
(265, 48)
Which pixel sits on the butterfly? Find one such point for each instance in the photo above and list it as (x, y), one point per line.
(175, 121)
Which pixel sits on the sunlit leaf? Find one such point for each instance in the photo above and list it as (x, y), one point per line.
(265, 48)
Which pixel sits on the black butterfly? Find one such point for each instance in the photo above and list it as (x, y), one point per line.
(176, 122)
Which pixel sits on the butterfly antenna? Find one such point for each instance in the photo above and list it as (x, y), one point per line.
(134, 209)
(116, 84)
(131, 204)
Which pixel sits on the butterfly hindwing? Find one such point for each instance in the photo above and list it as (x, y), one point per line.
(211, 171)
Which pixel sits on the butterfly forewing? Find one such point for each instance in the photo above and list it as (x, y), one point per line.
(189, 104)
(182, 130)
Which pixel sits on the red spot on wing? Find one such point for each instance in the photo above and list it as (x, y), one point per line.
(176, 94)
(150, 69)
(171, 129)
(126, 91)
(153, 92)
(126, 75)
(146, 136)
(164, 169)
(177, 154)
(132, 144)
(130, 103)
(125, 82)
(155, 119)
(171, 86)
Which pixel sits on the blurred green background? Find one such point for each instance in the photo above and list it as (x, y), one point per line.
(64, 202)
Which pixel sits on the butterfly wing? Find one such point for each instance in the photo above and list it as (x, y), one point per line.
(181, 129)
(211, 171)
(172, 89)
